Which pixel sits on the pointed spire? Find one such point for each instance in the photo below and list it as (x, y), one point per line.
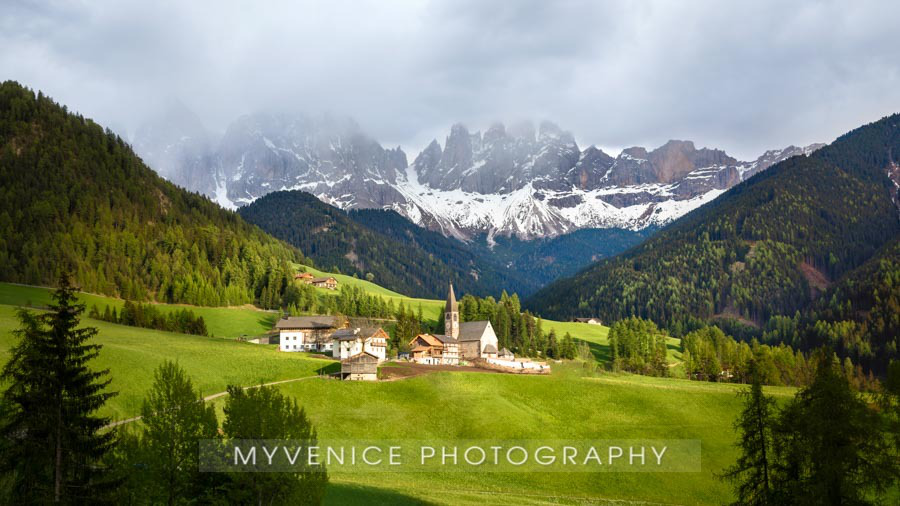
(452, 306)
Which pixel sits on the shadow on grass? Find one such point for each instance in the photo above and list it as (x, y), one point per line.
(268, 320)
(343, 493)
(601, 352)
(331, 368)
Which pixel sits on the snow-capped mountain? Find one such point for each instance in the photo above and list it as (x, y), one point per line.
(517, 181)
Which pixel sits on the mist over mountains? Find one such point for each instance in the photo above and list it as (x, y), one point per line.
(521, 180)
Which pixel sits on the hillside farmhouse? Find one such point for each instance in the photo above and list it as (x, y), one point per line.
(462, 340)
(591, 321)
(308, 333)
(328, 282)
(349, 342)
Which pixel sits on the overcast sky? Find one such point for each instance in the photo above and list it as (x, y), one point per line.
(742, 76)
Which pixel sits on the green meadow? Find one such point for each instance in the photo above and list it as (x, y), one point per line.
(230, 322)
(132, 354)
(565, 405)
(572, 403)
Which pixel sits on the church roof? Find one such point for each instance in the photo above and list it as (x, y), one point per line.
(452, 306)
(472, 331)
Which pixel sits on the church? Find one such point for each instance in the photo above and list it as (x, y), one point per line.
(462, 340)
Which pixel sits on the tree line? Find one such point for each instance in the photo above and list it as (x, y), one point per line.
(149, 316)
(517, 330)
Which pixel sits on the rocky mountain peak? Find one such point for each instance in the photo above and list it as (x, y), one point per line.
(507, 180)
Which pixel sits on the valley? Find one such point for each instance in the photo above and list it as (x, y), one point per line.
(572, 403)
(710, 288)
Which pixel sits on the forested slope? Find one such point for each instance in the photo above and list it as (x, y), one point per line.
(767, 247)
(75, 198)
(381, 245)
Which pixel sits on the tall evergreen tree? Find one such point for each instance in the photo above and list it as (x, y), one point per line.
(264, 413)
(751, 474)
(52, 442)
(830, 449)
(175, 419)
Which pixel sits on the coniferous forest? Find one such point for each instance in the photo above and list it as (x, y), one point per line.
(762, 254)
(377, 245)
(75, 198)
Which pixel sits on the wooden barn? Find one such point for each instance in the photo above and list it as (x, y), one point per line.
(360, 367)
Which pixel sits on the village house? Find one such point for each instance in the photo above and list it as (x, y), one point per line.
(360, 367)
(349, 342)
(327, 282)
(476, 339)
(307, 333)
(434, 350)
(591, 321)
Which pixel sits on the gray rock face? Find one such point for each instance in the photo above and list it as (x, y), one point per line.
(498, 161)
(327, 156)
(524, 181)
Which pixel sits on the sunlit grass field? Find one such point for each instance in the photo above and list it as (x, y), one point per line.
(230, 322)
(565, 405)
(131, 354)
(572, 403)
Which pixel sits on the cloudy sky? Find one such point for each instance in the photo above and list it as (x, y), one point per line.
(743, 76)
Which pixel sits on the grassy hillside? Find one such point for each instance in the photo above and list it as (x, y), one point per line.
(230, 322)
(564, 405)
(131, 354)
(234, 322)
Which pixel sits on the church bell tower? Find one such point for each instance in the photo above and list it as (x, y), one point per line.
(451, 315)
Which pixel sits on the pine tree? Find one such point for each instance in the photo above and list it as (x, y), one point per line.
(51, 440)
(752, 472)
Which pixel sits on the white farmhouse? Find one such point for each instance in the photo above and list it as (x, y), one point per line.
(307, 333)
(347, 343)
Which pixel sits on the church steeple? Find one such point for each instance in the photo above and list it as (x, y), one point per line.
(451, 315)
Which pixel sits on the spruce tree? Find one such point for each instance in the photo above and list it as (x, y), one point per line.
(751, 473)
(52, 442)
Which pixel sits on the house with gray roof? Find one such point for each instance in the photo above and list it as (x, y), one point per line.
(307, 333)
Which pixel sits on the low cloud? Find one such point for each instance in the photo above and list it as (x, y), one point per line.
(744, 76)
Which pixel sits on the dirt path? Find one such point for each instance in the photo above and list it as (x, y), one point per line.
(215, 396)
